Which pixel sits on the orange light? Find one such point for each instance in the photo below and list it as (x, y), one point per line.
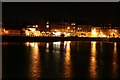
(93, 66)
(68, 27)
(67, 68)
(94, 33)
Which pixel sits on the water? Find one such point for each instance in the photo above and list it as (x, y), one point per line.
(61, 60)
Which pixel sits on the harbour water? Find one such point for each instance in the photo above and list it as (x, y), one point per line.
(61, 60)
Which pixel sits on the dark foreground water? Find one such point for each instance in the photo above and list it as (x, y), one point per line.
(61, 60)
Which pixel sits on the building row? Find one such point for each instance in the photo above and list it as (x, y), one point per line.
(67, 30)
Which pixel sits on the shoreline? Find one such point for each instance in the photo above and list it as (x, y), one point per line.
(53, 39)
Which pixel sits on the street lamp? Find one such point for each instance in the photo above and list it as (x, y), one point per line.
(33, 26)
(73, 24)
(36, 26)
(47, 22)
(47, 26)
(68, 27)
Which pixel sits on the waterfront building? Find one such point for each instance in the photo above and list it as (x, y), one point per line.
(31, 30)
(10, 32)
(111, 31)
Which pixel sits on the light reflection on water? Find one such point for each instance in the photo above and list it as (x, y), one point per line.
(56, 46)
(67, 64)
(114, 61)
(54, 59)
(35, 60)
(56, 50)
(47, 47)
(93, 62)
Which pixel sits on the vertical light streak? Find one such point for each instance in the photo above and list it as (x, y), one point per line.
(47, 47)
(93, 66)
(56, 46)
(34, 68)
(114, 61)
(67, 64)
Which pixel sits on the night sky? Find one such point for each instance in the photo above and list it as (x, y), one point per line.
(81, 13)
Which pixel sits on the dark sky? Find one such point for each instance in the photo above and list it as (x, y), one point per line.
(88, 13)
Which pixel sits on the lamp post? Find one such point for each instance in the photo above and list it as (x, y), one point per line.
(47, 26)
(73, 24)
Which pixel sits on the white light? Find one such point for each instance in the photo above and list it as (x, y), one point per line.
(74, 24)
(33, 26)
(36, 25)
(103, 35)
(56, 45)
(32, 29)
(47, 22)
(64, 33)
(47, 26)
(58, 33)
(47, 45)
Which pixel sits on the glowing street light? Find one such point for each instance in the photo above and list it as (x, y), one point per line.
(73, 24)
(33, 26)
(115, 30)
(47, 26)
(36, 26)
(47, 22)
(68, 27)
(73, 27)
